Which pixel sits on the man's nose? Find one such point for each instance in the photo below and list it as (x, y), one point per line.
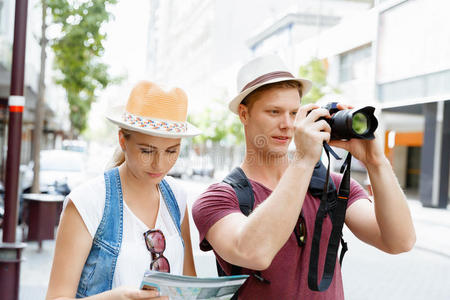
(287, 120)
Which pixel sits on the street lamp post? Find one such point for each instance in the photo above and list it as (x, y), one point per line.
(10, 251)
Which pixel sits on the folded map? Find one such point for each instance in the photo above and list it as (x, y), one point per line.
(188, 287)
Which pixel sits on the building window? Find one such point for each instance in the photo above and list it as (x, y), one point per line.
(433, 84)
(354, 63)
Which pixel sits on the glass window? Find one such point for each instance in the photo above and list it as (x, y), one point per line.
(433, 84)
(354, 63)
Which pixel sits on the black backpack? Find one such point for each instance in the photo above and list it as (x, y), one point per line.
(329, 205)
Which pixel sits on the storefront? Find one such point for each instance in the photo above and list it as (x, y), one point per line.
(421, 157)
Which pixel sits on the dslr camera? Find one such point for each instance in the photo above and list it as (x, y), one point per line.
(356, 123)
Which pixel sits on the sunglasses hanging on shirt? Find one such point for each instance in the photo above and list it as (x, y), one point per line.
(156, 244)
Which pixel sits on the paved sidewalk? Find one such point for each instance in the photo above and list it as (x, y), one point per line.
(423, 273)
(35, 270)
(432, 228)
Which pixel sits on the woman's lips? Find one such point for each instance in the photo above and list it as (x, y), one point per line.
(155, 175)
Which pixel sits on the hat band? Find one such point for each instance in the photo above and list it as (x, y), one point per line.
(166, 126)
(267, 77)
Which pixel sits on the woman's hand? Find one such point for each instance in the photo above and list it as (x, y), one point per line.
(127, 293)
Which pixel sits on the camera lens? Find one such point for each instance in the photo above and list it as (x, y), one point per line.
(360, 123)
(346, 124)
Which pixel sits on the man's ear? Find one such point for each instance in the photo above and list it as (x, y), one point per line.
(243, 113)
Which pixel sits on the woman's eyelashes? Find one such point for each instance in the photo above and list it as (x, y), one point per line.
(153, 151)
(148, 151)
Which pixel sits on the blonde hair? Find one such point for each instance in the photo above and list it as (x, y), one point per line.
(250, 99)
(118, 157)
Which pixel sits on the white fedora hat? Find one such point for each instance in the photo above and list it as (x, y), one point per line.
(261, 71)
(153, 111)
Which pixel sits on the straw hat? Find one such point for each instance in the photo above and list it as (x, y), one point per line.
(261, 71)
(151, 110)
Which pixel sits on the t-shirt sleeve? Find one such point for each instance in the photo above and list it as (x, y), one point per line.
(180, 194)
(357, 192)
(218, 201)
(89, 200)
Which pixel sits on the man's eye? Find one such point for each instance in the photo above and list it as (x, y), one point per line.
(294, 113)
(274, 111)
(171, 151)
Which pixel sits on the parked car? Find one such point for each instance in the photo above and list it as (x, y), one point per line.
(202, 166)
(60, 171)
(74, 145)
(181, 168)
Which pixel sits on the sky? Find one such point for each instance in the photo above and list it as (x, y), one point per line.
(125, 49)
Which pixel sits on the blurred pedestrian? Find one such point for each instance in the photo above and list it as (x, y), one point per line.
(134, 217)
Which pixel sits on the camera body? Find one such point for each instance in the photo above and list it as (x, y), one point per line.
(346, 124)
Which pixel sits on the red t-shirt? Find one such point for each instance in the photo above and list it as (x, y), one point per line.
(288, 273)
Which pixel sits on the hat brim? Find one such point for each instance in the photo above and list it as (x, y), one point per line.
(234, 104)
(115, 116)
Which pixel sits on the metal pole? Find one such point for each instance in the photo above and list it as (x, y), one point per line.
(10, 263)
(16, 104)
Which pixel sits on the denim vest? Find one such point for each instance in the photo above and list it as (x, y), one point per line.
(98, 271)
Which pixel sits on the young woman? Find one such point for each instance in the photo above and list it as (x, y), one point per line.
(133, 218)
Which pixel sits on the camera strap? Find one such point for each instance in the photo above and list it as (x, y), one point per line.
(335, 208)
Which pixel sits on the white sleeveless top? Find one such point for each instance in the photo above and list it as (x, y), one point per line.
(134, 258)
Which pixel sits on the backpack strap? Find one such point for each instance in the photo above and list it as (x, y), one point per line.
(318, 179)
(244, 192)
(243, 189)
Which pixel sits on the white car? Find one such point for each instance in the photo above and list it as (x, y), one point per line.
(60, 171)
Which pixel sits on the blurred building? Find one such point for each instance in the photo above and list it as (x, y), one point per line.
(397, 56)
(393, 54)
(413, 82)
(200, 45)
(52, 124)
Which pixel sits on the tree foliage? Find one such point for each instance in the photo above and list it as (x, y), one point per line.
(218, 124)
(77, 50)
(316, 71)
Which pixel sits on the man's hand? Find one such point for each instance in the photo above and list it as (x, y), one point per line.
(368, 152)
(309, 133)
(385, 224)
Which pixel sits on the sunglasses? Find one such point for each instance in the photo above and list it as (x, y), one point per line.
(300, 231)
(156, 244)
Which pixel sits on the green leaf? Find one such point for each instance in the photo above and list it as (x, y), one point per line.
(315, 70)
(77, 54)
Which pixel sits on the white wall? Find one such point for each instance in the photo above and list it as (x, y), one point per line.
(414, 40)
(400, 164)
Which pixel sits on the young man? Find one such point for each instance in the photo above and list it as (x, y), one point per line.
(269, 108)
